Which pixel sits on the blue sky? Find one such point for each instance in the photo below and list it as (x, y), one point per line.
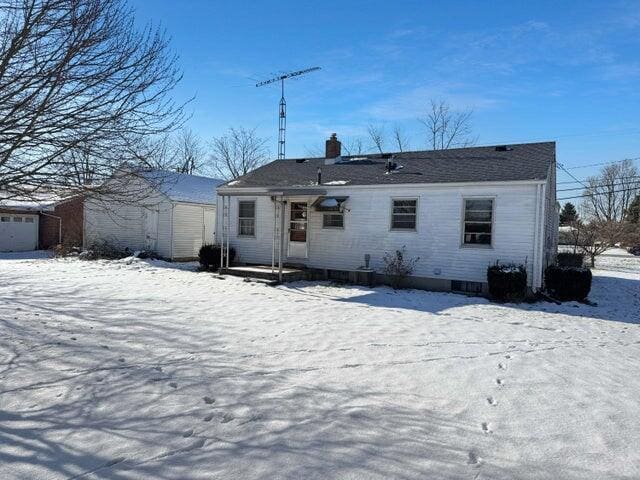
(564, 71)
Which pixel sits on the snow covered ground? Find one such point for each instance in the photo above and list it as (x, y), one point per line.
(139, 370)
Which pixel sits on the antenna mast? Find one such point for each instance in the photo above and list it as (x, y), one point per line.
(282, 124)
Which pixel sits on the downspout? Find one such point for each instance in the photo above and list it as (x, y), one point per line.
(228, 228)
(536, 227)
(173, 206)
(59, 225)
(282, 213)
(541, 240)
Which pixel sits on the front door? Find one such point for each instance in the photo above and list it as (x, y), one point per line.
(298, 230)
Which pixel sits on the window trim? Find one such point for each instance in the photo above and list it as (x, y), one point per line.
(407, 230)
(493, 221)
(255, 215)
(324, 227)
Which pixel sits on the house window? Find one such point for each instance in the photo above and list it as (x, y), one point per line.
(333, 220)
(5, 219)
(28, 219)
(247, 218)
(17, 219)
(404, 214)
(478, 221)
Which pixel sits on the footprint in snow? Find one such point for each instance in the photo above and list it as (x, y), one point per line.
(492, 401)
(499, 381)
(227, 418)
(485, 427)
(188, 433)
(158, 369)
(121, 360)
(208, 400)
(474, 459)
(173, 385)
(502, 366)
(208, 418)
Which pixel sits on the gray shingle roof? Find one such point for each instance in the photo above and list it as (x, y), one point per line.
(527, 161)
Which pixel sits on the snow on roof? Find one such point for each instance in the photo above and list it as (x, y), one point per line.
(181, 187)
(40, 202)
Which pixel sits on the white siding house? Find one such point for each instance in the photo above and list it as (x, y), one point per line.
(377, 206)
(169, 213)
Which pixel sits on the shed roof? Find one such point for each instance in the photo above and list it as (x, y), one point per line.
(181, 187)
(517, 162)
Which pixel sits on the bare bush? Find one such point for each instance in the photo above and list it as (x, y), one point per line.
(397, 266)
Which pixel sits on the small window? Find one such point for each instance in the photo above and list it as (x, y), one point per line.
(28, 219)
(403, 215)
(247, 218)
(17, 219)
(333, 220)
(478, 221)
(5, 219)
(466, 287)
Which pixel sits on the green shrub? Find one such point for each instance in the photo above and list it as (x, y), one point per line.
(507, 283)
(567, 283)
(209, 257)
(570, 259)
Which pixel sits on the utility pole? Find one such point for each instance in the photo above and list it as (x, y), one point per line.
(282, 119)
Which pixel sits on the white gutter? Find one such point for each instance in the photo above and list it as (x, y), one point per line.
(279, 190)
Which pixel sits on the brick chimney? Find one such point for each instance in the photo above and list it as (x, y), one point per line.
(332, 147)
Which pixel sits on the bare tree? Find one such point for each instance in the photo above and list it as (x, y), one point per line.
(376, 135)
(595, 237)
(353, 146)
(608, 195)
(81, 91)
(238, 152)
(400, 139)
(188, 152)
(446, 128)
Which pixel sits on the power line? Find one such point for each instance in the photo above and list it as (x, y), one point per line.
(570, 174)
(587, 195)
(601, 185)
(633, 159)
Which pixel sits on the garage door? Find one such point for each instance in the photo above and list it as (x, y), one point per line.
(18, 233)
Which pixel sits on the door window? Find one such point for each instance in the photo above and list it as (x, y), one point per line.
(298, 223)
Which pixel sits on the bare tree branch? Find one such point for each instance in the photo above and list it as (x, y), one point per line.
(237, 153)
(82, 91)
(447, 129)
(376, 135)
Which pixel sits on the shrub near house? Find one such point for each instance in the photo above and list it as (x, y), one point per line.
(568, 283)
(507, 283)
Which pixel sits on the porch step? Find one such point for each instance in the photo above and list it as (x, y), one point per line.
(265, 272)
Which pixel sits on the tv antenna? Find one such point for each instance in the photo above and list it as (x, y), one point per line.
(282, 125)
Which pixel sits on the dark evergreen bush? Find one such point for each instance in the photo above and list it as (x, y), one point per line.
(567, 283)
(507, 283)
(209, 257)
(570, 259)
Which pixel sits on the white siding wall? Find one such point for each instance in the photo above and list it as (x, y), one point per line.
(437, 240)
(123, 225)
(189, 229)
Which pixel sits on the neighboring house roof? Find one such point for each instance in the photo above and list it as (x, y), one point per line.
(39, 203)
(528, 161)
(181, 187)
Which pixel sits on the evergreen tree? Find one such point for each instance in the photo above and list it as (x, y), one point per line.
(633, 212)
(568, 214)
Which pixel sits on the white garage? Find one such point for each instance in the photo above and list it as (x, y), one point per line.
(18, 232)
(174, 219)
